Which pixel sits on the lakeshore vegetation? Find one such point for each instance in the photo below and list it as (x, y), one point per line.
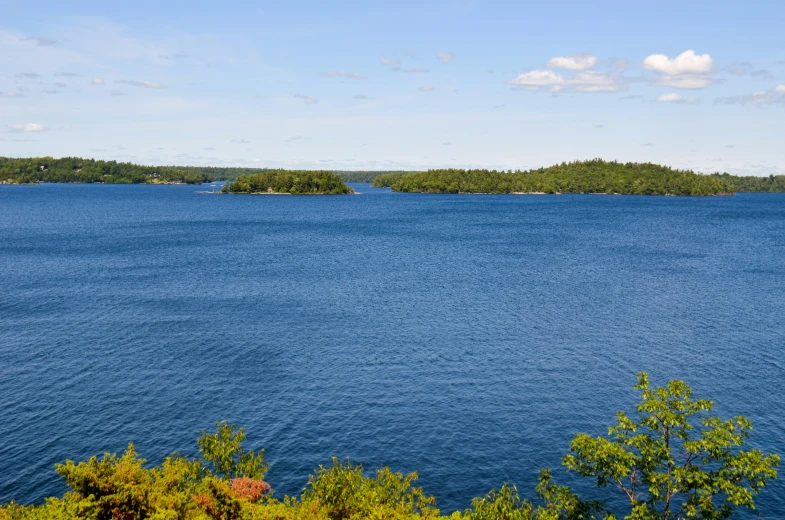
(670, 460)
(230, 173)
(592, 176)
(76, 169)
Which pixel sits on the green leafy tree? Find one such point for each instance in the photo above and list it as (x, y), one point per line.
(557, 503)
(223, 454)
(342, 492)
(674, 461)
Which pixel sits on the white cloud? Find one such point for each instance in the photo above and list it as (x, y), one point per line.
(10, 94)
(593, 81)
(28, 127)
(96, 81)
(415, 70)
(537, 79)
(763, 97)
(586, 81)
(445, 57)
(675, 98)
(685, 63)
(573, 62)
(669, 98)
(342, 74)
(389, 61)
(427, 88)
(687, 82)
(142, 84)
(308, 100)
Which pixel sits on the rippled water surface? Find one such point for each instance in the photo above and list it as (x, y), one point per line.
(465, 337)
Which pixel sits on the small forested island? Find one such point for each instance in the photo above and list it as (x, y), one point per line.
(77, 169)
(673, 459)
(280, 182)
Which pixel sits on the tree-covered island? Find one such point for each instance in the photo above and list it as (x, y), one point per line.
(289, 182)
(593, 176)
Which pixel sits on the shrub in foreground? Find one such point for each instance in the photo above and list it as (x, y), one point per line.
(671, 461)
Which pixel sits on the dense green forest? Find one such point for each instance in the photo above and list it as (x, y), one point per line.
(306, 182)
(233, 172)
(75, 169)
(593, 176)
(772, 183)
(223, 173)
(388, 179)
(363, 175)
(670, 460)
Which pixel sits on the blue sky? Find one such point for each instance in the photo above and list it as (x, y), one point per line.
(396, 85)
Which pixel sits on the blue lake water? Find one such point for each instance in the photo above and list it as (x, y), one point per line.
(465, 337)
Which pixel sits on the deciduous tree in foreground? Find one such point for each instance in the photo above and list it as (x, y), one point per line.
(673, 460)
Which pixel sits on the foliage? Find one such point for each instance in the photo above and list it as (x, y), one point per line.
(342, 492)
(772, 183)
(557, 503)
(76, 169)
(364, 176)
(231, 173)
(666, 467)
(593, 176)
(665, 464)
(224, 455)
(388, 179)
(292, 182)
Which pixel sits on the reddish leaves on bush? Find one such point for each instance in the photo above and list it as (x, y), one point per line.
(249, 488)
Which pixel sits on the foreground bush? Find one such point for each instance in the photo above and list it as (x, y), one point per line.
(665, 463)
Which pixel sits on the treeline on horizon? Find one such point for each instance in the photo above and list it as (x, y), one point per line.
(671, 460)
(305, 182)
(82, 170)
(230, 173)
(592, 176)
(77, 169)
